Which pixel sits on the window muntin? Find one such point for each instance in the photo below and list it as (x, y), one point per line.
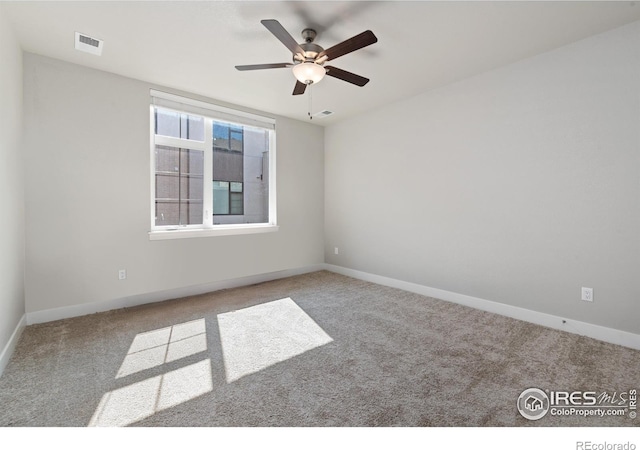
(209, 173)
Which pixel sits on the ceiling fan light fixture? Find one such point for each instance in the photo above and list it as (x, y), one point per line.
(309, 58)
(309, 72)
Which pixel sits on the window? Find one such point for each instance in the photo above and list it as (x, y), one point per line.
(212, 169)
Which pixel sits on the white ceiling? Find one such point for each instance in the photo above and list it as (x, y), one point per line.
(194, 45)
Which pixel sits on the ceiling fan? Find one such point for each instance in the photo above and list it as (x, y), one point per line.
(309, 58)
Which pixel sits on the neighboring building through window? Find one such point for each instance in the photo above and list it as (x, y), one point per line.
(210, 167)
(228, 198)
(227, 137)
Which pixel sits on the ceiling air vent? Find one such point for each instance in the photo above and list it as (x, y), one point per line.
(322, 114)
(88, 44)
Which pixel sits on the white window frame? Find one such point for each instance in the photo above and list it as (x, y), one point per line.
(209, 112)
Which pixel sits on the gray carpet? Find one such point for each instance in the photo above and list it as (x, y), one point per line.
(318, 349)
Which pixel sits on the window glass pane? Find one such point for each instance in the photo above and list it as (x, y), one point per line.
(220, 197)
(167, 159)
(227, 136)
(192, 212)
(191, 200)
(192, 162)
(167, 187)
(167, 204)
(245, 189)
(255, 181)
(179, 186)
(195, 128)
(220, 130)
(220, 135)
(174, 124)
(236, 201)
(228, 166)
(167, 123)
(167, 213)
(235, 136)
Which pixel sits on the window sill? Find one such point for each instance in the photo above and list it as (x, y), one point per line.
(219, 230)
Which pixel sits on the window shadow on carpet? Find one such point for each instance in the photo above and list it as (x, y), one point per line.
(251, 339)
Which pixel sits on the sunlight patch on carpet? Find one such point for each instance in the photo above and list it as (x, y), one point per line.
(140, 400)
(260, 336)
(157, 347)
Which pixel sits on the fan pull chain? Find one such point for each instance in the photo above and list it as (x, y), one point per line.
(310, 102)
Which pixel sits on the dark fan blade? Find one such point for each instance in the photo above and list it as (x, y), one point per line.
(346, 76)
(350, 45)
(283, 35)
(299, 89)
(264, 66)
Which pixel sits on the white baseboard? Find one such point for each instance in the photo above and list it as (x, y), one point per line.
(598, 332)
(601, 333)
(66, 312)
(8, 349)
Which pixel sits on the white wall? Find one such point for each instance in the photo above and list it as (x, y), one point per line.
(88, 206)
(520, 185)
(11, 186)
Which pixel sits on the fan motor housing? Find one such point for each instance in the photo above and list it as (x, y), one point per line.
(311, 50)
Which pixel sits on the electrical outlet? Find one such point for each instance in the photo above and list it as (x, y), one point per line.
(122, 274)
(335, 250)
(587, 294)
